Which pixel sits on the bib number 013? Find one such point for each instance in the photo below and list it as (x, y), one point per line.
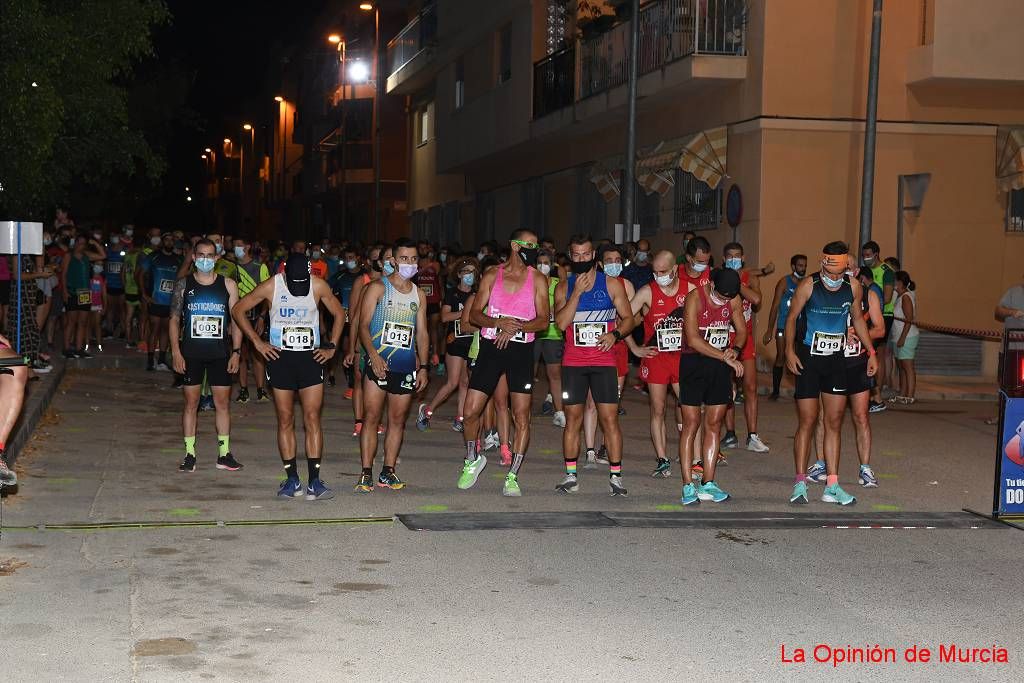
(397, 335)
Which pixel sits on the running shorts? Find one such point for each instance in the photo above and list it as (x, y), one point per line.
(857, 380)
(621, 352)
(601, 381)
(550, 350)
(158, 311)
(215, 369)
(820, 374)
(294, 370)
(115, 291)
(71, 305)
(704, 381)
(515, 361)
(458, 348)
(433, 309)
(397, 383)
(661, 369)
(131, 299)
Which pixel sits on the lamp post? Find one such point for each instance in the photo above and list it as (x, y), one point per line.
(378, 96)
(342, 131)
(628, 189)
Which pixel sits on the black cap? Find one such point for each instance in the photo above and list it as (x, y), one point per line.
(297, 274)
(726, 281)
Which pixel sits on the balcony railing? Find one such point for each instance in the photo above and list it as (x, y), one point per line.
(669, 30)
(418, 34)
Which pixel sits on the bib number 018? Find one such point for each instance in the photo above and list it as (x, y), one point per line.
(297, 339)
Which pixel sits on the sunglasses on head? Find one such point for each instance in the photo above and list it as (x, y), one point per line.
(524, 244)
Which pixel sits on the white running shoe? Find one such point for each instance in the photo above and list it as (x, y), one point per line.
(755, 444)
(558, 419)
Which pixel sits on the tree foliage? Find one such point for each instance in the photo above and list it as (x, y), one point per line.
(66, 69)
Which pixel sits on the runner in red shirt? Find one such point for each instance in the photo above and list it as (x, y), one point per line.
(429, 281)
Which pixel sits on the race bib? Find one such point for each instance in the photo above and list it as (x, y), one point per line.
(826, 344)
(588, 333)
(717, 336)
(458, 329)
(428, 290)
(167, 286)
(207, 327)
(853, 347)
(84, 297)
(397, 335)
(297, 339)
(114, 267)
(670, 339)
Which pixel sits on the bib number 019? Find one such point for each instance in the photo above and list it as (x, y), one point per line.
(825, 344)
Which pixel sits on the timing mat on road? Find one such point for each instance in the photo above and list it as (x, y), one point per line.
(489, 521)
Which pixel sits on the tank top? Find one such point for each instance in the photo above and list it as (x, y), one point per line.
(662, 331)
(714, 322)
(785, 301)
(552, 332)
(519, 305)
(691, 283)
(595, 316)
(456, 299)
(429, 282)
(131, 261)
(79, 271)
(897, 325)
(393, 327)
(114, 269)
(163, 271)
(855, 352)
(250, 275)
(205, 319)
(294, 320)
(826, 317)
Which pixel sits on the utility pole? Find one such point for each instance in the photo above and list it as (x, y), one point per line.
(377, 101)
(867, 183)
(628, 182)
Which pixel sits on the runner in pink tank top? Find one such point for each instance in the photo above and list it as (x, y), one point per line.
(519, 305)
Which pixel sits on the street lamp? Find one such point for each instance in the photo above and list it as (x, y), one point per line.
(334, 39)
(359, 72)
(207, 150)
(378, 96)
(278, 98)
(342, 129)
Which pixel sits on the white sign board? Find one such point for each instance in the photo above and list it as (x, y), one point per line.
(31, 237)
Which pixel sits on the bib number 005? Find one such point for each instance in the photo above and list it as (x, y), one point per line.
(207, 327)
(397, 335)
(297, 339)
(826, 344)
(588, 334)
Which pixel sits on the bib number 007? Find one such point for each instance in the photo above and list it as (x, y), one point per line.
(670, 339)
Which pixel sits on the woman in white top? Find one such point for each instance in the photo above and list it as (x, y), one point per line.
(905, 336)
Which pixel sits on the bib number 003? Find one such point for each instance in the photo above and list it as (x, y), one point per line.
(207, 327)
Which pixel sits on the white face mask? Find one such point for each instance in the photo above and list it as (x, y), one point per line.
(544, 268)
(663, 280)
(480, 256)
(699, 267)
(155, 241)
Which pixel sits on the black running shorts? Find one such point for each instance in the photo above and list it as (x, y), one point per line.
(704, 381)
(515, 361)
(550, 350)
(215, 369)
(159, 311)
(820, 374)
(397, 383)
(294, 370)
(857, 380)
(601, 381)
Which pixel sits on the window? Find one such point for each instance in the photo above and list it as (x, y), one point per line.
(531, 207)
(591, 208)
(1015, 211)
(424, 125)
(418, 222)
(505, 54)
(484, 216)
(460, 83)
(646, 212)
(697, 206)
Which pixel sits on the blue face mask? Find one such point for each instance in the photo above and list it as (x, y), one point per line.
(205, 265)
(468, 279)
(829, 282)
(613, 269)
(389, 268)
(239, 252)
(734, 263)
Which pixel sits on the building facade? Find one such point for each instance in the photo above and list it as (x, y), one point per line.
(750, 127)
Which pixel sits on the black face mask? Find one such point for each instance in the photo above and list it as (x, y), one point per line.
(529, 256)
(580, 267)
(378, 267)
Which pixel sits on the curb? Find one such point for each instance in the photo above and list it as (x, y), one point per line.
(40, 394)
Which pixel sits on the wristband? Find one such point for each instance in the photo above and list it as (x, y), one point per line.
(236, 351)
(423, 367)
(871, 351)
(617, 335)
(737, 349)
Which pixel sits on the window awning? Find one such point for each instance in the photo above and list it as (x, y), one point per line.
(607, 177)
(703, 155)
(1010, 159)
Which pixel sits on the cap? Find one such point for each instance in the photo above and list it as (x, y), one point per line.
(726, 281)
(297, 274)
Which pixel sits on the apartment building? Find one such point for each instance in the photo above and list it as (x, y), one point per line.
(750, 127)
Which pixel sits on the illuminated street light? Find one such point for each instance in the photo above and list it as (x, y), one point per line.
(34, 84)
(278, 98)
(334, 38)
(202, 156)
(188, 199)
(359, 72)
(208, 150)
(366, 6)
(227, 141)
(246, 126)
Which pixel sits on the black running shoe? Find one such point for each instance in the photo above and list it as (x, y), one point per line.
(70, 354)
(330, 380)
(243, 395)
(188, 464)
(228, 462)
(261, 396)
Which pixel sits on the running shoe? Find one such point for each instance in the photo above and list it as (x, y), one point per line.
(816, 472)
(380, 428)
(548, 407)
(317, 490)
(602, 456)
(131, 345)
(228, 462)
(243, 395)
(511, 487)
(143, 347)
(689, 496)
(162, 367)
(505, 455)
(740, 398)
(365, 483)
(69, 354)
(439, 370)
(348, 393)
(331, 381)
(590, 459)
(720, 461)
(40, 367)
(471, 470)
(867, 477)
(7, 474)
(290, 488)
(188, 464)
(569, 485)
(357, 429)
(835, 494)
(205, 403)
(710, 491)
(457, 425)
(876, 407)
(622, 411)
(662, 469)
(492, 440)
(730, 440)
(755, 444)
(423, 417)
(697, 470)
(799, 495)
(261, 395)
(85, 354)
(389, 480)
(615, 484)
(558, 419)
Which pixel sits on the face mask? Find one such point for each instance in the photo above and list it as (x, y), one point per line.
(220, 249)
(529, 256)
(580, 267)
(480, 256)
(239, 252)
(798, 274)
(205, 264)
(317, 254)
(155, 241)
(699, 267)
(351, 265)
(444, 257)
(663, 280)
(545, 268)
(829, 282)
(868, 260)
(734, 263)
(389, 268)
(407, 271)
(97, 269)
(47, 241)
(719, 299)
(97, 236)
(613, 269)
(641, 257)
(128, 232)
(468, 279)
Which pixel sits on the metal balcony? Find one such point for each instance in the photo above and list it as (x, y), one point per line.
(410, 50)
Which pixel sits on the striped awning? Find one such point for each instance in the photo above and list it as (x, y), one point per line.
(1010, 159)
(607, 177)
(703, 155)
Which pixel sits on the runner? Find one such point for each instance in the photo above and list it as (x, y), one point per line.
(816, 339)
(392, 329)
(75, 277)
(380, 265)
(660, 303)
(156, 277)
(12, 396)
(113, 273)
(429, 281)
(884, 275)
(714, 333)
(694, 273)
(550, 345)
(295, 359)
(466, 274)
(250, 274)
(342, 282)
(750, 293)
(594, 310)
(200, 317)
(510, 308)
(780, 309)
(133, 318)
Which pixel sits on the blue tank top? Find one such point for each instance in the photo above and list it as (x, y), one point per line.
(787, 299)
(393, 328)
(595, 316)
(114, 268)
(163, 271)
(826, 316)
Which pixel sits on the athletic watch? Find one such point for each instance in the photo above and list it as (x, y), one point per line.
(328, 346)
(738, 350)
(423, 367)
(617, 335)
(236, 350)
